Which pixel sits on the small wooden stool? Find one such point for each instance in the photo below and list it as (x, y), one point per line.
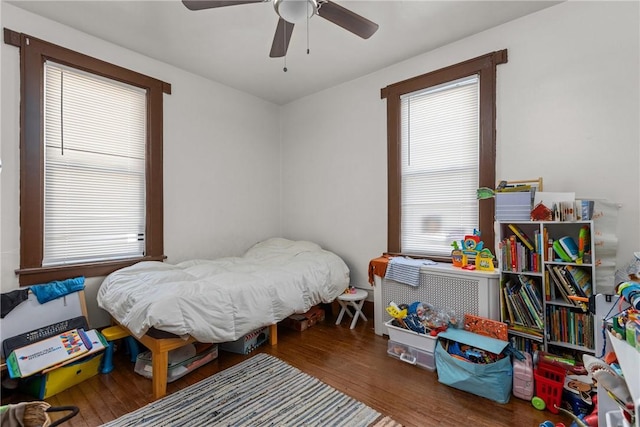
(356, 300)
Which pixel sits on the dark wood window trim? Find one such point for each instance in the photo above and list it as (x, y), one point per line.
(33, 54)
(484, 66)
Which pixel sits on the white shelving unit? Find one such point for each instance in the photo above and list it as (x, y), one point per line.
(629, 360)
(609, 413)
(545, 337)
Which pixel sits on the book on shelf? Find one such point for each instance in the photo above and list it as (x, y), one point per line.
(569, 288)
(584, 209)
(581, 279)
(535, 315)
(517, 307)
(525, 344)
(534, 332)
(570, 281)
(531, 287)
(571, 327)
(535, 261)
(521, 298)
(516, 257)
(513, 253)
(507, 304)
(522, 236)
(549, 287)
(558, 286)
(570, 247)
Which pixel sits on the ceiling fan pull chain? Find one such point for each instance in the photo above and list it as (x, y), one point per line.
(284, 41)
(308, 5)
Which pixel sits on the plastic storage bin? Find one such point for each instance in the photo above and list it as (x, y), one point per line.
(43, 386)
(411, 355)
(405, 336)
(181, 361)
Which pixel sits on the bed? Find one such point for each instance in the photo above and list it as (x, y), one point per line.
(166, 306)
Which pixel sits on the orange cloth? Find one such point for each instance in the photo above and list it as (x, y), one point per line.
(378, 267)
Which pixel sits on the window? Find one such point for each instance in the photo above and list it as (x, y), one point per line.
(91, 164)
(441, 149)
(94, 140)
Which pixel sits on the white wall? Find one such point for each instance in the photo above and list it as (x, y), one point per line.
(221, 156)
(567, 110)
(233, 177)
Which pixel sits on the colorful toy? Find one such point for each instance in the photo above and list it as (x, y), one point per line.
(484, 261)
(630, 291)
(395, 311)
(583, 241)
(471, 247)
(485, 193)
(458, 258)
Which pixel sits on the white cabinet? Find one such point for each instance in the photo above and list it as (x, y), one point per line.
(443, 286)
(538, 287)
(629, 360)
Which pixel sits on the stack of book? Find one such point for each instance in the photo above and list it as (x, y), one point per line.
(519, 252)
(570, 326)
(569, 281)
(523, 302)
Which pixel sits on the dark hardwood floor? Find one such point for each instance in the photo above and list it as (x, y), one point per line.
(353, 361)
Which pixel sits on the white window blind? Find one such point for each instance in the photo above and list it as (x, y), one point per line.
(440, 162)
(95, 133)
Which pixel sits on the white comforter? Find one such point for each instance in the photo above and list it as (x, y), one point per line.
(221, 300)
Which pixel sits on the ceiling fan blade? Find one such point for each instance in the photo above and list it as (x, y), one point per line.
(347, 19)
(281, 39)
(210, 4)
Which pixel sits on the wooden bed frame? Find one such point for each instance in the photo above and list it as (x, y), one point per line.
(160, 348)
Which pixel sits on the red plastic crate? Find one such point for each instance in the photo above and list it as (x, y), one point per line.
(549, 384)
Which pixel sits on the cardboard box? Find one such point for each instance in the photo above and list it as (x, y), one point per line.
(43, 386)
(302, 322)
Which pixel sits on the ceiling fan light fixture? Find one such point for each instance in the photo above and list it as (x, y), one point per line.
(295, 11)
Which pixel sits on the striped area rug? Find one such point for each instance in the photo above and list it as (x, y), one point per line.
(260, 391)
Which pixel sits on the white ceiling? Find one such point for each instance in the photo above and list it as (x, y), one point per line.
(231, 44)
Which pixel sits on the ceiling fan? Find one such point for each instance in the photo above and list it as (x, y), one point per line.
(291, 12)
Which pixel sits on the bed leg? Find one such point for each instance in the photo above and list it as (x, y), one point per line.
(273, 334)
(160, 365)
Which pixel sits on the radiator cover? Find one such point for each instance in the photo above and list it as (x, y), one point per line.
(443, 286)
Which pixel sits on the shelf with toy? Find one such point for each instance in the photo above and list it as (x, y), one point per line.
(556, 259)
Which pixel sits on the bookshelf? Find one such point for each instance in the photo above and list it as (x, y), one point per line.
(538, 285)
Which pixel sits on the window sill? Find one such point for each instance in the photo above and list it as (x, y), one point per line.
(436, 258)
(38, 275)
